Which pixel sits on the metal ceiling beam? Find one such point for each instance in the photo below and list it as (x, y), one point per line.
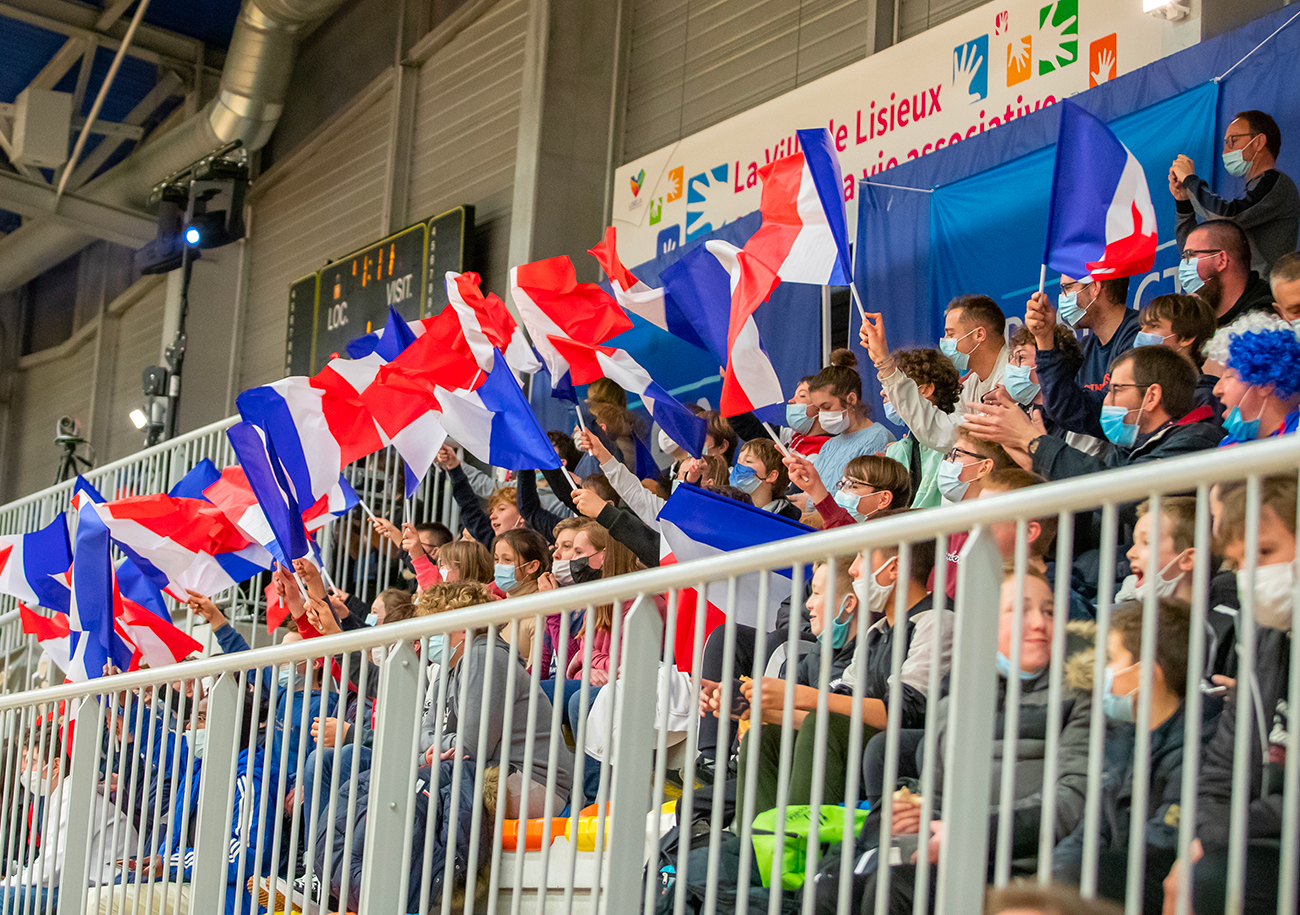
(77, 20)
(169, 85)
(116, 224)
(103, 128)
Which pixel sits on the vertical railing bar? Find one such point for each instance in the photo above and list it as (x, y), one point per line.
(1194, 700)
(893, 724)
(661, 746)
(1097, 721)
(722, 746)
(1056, 667)
(1011, 731)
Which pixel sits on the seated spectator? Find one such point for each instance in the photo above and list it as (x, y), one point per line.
(564, 447)
(1269, 211)
(1285, 284)
(1149, 413)
(974, 339)
(1175, 554)
(1072, 755)
(1216, 267)
(390, 606)
(806, 435)
(465, 560)
(43, 775)
(526, 792)
(431, 534)
(871, 484)
(872, 582)
(1260, 381)
(938, 382)
(760, 472)
(1021, 384)
(1121, 699)
(1273, 590)
(620, 429)
(502, 512)
(1185, 323)
(519, 556)
(967, 465)
(836, 392)
(721, 439)
(1071, 400)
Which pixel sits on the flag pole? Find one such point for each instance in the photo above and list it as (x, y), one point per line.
(569, 477)
(776, 439)
(857, 300)
(365, 508)
(1042, 280)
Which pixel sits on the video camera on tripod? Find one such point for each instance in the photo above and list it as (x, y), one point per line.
(67, 435)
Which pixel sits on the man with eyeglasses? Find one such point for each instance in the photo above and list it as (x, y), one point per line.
(1216, 268)
(1269, 210)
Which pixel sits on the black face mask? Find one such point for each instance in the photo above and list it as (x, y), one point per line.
(576, 571)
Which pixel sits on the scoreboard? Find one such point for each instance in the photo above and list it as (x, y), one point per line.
(350, 297)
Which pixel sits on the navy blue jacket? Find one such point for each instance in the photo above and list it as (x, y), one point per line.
(1073, 402)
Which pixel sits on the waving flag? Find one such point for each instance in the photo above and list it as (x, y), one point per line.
(201, 476)
(634, 295)
(191, 543)
(51, 633)
(495, 423)
(268, 483)
(489, 326)
(804, 235)
(750, 383)
(1101, 222)
(142, 617)
(33, 566)
(695, 524)
(367, 343)
(553, 303)
(587, 363)
(697, 290)
(96, 640)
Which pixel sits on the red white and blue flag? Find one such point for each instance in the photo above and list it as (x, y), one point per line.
(696, 524)
(267, 480)
(33, 567)
(804, 235)
(95, 637)
(51, 632)
(489, 326)
(750, 382)
(552, 302)
(644, 301)
(587, 363)
(495, 423)
(1101, 222)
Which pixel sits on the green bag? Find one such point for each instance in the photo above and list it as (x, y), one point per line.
(794, 853)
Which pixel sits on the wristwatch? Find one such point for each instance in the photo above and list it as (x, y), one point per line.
(1033, 444)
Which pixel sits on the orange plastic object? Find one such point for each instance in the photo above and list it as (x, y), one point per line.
(532, 833)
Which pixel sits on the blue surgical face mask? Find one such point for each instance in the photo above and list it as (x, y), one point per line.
(286, 676)
(849, 502)
(839, 630)
(891, 415)
(948, 346)
(950, 482)
(372, 619)
(1116, 708)
(1188, 277)
(1234, 163)
(1068, 307)
(1239, 428)
(1116, 428)
(1022, 388)
(1145, 339)
(745, 478)
(1004, 668)
(797, 418)
(504, 576)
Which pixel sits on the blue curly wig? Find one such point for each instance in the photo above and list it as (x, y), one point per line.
(1267, 357)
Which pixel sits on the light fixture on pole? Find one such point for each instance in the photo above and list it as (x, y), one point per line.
(1171, 10)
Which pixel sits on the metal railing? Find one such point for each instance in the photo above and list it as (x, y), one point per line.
(385, 828)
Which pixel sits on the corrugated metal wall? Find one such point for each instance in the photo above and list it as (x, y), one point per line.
(139, 342)
(915, 16)
(47, 390)
(466, 129)
(328, 203)
(694, 63)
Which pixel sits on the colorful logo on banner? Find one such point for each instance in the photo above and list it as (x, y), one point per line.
(970, 74)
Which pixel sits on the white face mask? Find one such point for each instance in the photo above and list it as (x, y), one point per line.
(1274, 588)
(377, 655)
(666, 445)
(871, 593)
(833, 421)
(200, 742)
(1165, 587)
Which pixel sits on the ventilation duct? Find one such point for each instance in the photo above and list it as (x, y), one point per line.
(247, 107)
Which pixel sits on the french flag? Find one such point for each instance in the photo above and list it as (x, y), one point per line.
(489, 326)
(696, 524)
(266, 478)
(190, 542)
(587, 363)
(142, 617)
(33, 566)
(368, 343)
(750, 382)
(635, 296)
(552, 302)
(804, 235)
(697, 288)
(52, 633)
(95, 637)
(495, 423)
(1101, 222)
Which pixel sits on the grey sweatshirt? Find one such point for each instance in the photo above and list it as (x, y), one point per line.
(1269, 211)
(468, 675)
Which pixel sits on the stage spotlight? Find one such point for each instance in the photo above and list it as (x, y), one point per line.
(138, 419)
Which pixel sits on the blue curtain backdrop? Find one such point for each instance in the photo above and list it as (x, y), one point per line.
(972, 217)
(790, 325)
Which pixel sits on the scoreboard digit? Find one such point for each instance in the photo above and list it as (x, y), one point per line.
(448, 236)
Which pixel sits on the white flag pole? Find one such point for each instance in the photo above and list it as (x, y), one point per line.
(1042, 280)
(776, 439)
